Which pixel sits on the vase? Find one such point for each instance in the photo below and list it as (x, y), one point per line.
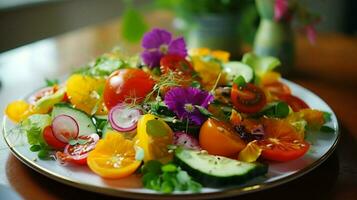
(215, 31)
(274, 38)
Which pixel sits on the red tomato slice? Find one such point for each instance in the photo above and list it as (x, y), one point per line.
(125, 85)
(281, 143)
(294, 102)
(278, 88)
(176, 63)
(65, 97)
(51, 140)
(78, 153)
(248, 99)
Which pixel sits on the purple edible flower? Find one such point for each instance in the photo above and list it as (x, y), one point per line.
(184, 101)
(158, 43)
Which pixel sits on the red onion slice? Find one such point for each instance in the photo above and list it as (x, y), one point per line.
(124, 119)
(65, 128)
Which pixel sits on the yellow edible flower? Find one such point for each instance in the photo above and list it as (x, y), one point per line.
(209, 69)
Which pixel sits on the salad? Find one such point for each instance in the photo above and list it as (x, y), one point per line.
(182, 119)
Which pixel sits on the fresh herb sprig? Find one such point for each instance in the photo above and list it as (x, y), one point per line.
(51, 82)
(167, 178)
(33, 127)
(167, 80)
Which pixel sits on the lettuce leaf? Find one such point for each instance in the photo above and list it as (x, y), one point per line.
(33, 126)
(260, 64)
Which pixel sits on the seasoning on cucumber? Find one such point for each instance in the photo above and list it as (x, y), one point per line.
(217, 171)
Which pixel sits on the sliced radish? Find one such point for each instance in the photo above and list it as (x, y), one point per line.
(186, 140)
(65, 128)
(124, 119)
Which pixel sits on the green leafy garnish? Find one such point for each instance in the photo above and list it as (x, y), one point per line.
(203, 111)
(35, 148)
(195, 84)
(240, 81)
(33, 127)
(100, 123)
(51, 82)
(156, 71)
(106, 64)
(167, 178)
(275, 109)
(169, 168)
(44, 154)
(327, 129)
(156, 128)
(159, 108)
(327, 116)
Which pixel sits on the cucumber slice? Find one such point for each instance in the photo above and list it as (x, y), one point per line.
(106, 128)
(85, 123)
(217, 171)
(235, 69)
(101, 117)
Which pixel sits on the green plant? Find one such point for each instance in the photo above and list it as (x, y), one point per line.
(134, 24)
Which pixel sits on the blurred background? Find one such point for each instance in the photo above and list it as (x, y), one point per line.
(25, 21)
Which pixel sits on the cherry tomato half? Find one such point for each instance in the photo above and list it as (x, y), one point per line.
(248, 99)
(125, 85)
(277, 88)
(294, 102)
(176, 63)
(281, 143)
(78, 153)
(51, 140)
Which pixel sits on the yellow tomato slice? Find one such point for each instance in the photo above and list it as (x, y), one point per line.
(154, 145)
(84, 92)
(250, 153)
(18, 110)
(113, 157)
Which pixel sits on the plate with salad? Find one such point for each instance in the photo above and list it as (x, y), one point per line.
(172, 122)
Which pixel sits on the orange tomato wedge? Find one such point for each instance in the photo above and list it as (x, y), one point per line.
(113, 157)
(219, 138)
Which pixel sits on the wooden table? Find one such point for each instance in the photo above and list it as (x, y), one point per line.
(329, 69)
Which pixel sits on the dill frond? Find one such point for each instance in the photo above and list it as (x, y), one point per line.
(170, 79)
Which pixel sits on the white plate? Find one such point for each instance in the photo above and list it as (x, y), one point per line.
(322, 146)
